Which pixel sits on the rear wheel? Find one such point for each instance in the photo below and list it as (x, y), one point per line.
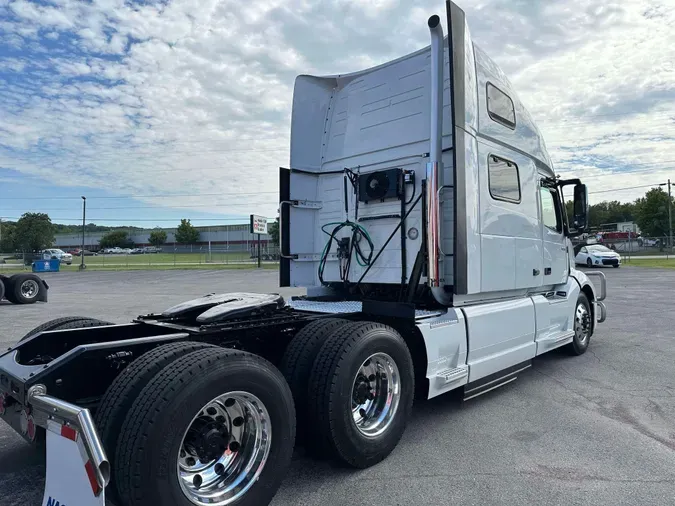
(362, 389)
(213, 427)
(126, 387)
(296, 364)
(26, 288)
(9, 288)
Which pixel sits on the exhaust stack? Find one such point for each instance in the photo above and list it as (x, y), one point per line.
(434, 172)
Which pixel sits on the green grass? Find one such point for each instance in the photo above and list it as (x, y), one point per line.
(131, 267)
(662, 263)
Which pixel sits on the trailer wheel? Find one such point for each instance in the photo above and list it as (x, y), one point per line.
(582, 327)
(126, 387)
(213, 427)
(296, 364)
(361, 393)
(64, 323)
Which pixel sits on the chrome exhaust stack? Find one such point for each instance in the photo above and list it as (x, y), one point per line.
(434, 172)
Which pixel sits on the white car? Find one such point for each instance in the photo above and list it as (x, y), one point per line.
(66, 258)
(594, 255)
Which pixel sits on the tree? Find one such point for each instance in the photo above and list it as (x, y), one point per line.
(186, 233)
(116, 239)
(273, 231)
(652, 213)
(157, 237)
(7, 237)
(33, 231)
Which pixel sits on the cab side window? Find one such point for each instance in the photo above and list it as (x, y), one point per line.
(503, 179)
(500, 107)
(550, 211)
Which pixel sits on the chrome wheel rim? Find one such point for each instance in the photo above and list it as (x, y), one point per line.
(224, 449)
(29, 289)
(376, 394)
(582, 323)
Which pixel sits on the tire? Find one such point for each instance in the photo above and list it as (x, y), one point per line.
(582, 330)
(26, 288)
(2, 289)
(151, 437)
(9, 288)
(126, 387)
(296, 365)
(332, 384)
(66, 322)
(589, 262)
(615, 266)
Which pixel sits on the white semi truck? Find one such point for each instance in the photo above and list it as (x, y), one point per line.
(423, 215)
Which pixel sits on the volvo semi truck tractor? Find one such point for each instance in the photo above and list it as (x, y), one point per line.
(422, 213)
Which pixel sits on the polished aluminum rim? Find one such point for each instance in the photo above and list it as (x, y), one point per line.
(225, 449)
(582, 323)
(376, 394)
(29, 289)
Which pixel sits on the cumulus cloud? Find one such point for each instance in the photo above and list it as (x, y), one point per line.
(190, 97)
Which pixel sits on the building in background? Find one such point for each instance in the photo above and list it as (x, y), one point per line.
(212, 237)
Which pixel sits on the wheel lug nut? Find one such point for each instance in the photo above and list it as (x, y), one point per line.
(234, 446)
(238, 422)
(197, 481)
(211, 411)
(229, 403)
(190, 461)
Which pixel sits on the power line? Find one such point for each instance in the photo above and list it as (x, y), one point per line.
(628, 188)
(156, 195)
(241, 221)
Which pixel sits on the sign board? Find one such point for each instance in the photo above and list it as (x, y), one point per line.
(258, 224)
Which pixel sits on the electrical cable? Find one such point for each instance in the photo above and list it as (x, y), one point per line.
(362, 259)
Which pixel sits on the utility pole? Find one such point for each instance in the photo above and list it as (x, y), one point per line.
(84, 217)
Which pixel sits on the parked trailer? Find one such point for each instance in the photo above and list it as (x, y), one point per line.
(23, 289)
(429, 229)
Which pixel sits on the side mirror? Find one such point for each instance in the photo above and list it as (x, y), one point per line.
(580, 219)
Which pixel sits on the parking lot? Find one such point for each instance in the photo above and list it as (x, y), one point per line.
(594, 430)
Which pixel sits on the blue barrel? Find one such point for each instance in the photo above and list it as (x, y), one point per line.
(52, 265)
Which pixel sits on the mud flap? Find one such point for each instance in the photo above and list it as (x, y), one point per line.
(71, 479)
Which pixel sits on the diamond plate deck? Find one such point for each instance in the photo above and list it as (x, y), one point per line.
(344, 307)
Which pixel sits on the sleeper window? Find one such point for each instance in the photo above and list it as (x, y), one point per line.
(503, 179)
(500, 107)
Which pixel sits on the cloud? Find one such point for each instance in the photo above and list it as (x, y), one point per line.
(187, 97)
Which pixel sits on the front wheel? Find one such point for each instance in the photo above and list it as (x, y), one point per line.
(589, 262)
(582, 326)
(213, 427)
(361, 393)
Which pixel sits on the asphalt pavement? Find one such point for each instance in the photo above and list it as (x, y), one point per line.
(592, 430)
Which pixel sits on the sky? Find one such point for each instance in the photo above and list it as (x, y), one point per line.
(157, 111)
